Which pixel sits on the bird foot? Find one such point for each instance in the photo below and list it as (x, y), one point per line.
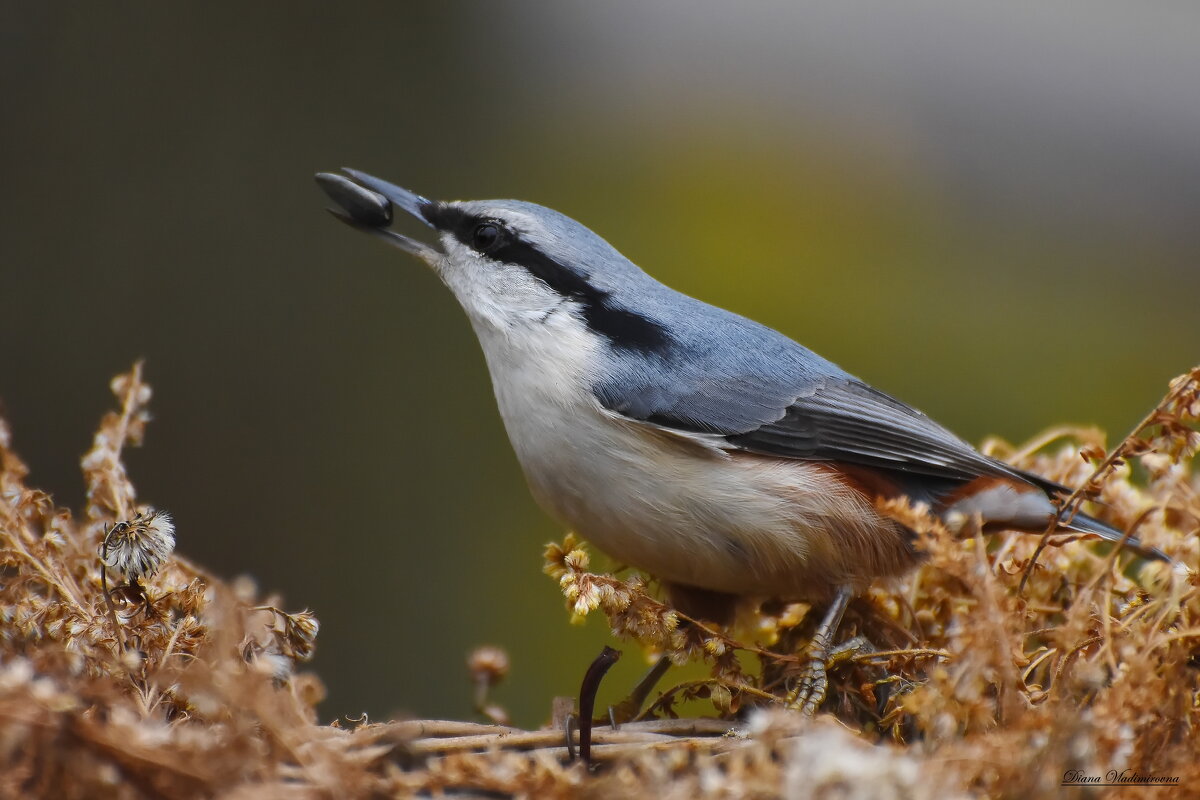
(628, 709)
(813, 684)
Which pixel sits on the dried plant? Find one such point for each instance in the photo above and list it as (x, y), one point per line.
(175, 683)
(488, 666)
(1093, 657)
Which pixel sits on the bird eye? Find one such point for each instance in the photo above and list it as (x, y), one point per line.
(487, 236)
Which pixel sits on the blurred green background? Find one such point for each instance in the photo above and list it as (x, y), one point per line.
(992, 212)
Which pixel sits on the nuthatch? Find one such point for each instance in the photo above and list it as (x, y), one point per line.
(685, 440)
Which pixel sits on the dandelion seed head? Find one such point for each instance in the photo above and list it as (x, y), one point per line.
(138, 547)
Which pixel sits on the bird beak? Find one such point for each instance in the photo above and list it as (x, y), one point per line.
(365, 204)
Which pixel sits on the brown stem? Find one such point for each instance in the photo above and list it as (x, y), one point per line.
(112, 611)
(587, 698)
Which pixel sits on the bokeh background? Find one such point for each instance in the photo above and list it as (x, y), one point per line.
(990, 210)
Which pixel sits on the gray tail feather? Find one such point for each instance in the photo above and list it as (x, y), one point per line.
(1082, 523)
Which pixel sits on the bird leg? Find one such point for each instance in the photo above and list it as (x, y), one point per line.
(628, 709)
(809, 691)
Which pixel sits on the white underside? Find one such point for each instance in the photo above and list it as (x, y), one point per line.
(675, 505)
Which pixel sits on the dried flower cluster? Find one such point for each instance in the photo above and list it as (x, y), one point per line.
(176, 684)
(634, 614)
(179, 684)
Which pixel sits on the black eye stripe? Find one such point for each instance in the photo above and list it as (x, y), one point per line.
(625, 329)
(448, 218)
(464, 226)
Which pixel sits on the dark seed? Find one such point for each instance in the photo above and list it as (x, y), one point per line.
(362, 205)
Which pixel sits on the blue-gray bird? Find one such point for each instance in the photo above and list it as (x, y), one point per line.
(685, 440)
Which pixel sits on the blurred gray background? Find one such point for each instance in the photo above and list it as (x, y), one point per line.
(990, 211)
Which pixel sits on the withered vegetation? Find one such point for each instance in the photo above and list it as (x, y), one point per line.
(994, 671)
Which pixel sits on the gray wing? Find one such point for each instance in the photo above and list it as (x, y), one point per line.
(803, 408)
(839, 419)
(764, 393)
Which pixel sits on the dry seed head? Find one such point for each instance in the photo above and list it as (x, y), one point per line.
(301, 631)
(721, 697)
(488, 664)
(306, 624)
(293, 635)
(138, 547)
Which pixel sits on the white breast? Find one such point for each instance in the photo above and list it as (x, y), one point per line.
(675, 505)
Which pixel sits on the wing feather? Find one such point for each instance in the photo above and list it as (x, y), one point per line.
(759, 391)
(847, 420)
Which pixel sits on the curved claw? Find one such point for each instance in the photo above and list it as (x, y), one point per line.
(810, 690)
(813, 685)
